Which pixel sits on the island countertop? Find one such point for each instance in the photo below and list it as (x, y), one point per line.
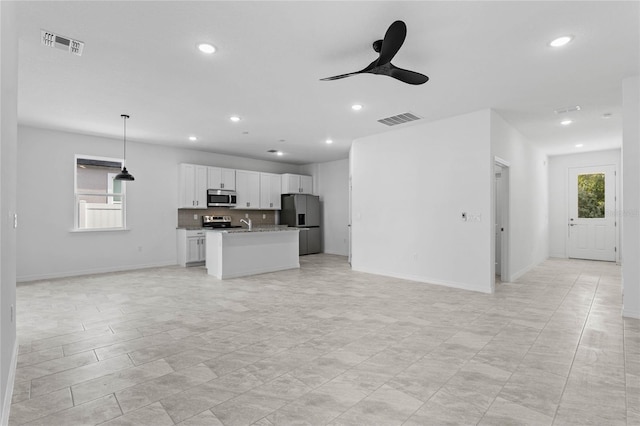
(274, 228)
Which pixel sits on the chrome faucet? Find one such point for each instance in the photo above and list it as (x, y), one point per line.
(248, 222)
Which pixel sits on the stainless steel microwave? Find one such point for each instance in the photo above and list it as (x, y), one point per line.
(221, 198)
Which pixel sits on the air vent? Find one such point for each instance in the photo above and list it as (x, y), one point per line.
(50, 39)
(399, 119)
(567, 109)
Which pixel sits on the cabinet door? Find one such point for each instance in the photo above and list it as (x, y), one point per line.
(187, 181)
(228, 179)
(306, 184)
(270, 185)
(290, 184)
(275, 192)
(193, 186)
(219, 178)
(248, 189)
(200, 188)
(214, 178)
(193, 249)
(202, 250)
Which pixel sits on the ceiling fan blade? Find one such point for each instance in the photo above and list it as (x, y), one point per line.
(409, 77)
(337, 77)
(392, 42)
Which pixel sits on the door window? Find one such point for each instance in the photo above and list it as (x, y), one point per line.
(591, 196)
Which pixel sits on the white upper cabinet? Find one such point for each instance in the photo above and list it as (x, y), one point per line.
(270, 185)
(193, 186)
(220, 178)
(248, 189)
(297, 184)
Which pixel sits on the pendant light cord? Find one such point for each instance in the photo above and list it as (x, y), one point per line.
(124, 157)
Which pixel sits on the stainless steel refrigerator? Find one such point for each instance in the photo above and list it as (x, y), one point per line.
(303, 211)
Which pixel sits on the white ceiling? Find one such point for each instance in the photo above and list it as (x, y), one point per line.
(140, 59)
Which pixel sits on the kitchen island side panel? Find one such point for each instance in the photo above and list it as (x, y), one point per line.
(238, 254)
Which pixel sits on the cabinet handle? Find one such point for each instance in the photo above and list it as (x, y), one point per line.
(270, 204)
(248, 204)
(221, 185)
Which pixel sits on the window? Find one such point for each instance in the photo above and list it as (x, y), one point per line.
(99, 199)
(591, 196)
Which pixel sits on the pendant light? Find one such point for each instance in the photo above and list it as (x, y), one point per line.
(124, 174)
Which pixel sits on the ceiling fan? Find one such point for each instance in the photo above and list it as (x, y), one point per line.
(388, 47)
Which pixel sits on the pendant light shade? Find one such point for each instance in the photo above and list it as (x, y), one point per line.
(124, 174)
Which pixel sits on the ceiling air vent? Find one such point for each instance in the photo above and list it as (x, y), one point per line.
(50, 39)
(399, 119)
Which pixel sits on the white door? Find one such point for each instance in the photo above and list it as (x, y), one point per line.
(498, 215)
(592, 213)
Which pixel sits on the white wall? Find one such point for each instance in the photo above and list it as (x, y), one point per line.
(331, 183)
(631, 197)
(528, 197)
(409, 188)
(8, 173)
(558, 189)
(46, 248)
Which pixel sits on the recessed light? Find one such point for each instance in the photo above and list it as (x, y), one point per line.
(279, 153)
(606, 115)
(234, 118)
(566, 122)
(193, 138)
(206, 48)
(561, 41)
(579, 145)
(356, 107)
(329, 141)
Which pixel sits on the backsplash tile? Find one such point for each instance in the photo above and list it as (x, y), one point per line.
(186, 220)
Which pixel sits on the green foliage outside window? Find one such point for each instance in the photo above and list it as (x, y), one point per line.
(591, 196)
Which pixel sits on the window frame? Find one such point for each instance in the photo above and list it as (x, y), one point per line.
(108, 195)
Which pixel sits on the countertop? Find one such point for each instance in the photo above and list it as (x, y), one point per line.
(273, 228)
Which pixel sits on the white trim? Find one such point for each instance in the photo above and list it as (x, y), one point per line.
(505, 266)
(84, 230)
(616, 207)
(8, 394)
(47, 276)
(423, 280)
(107, 194)
(630, 314)
(500, 161)
(524, 270)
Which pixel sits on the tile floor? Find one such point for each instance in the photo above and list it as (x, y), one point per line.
(326, 346)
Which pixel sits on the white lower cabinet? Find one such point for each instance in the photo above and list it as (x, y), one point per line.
(191, 247)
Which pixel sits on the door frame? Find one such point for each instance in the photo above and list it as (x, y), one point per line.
(616, 204)
(505, 246)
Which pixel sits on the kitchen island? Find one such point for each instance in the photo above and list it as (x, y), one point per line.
(235, 253)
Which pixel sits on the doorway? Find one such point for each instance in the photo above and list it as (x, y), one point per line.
(592, 213)
(501, 219)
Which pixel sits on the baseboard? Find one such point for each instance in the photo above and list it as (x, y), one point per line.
(425, 280)
(628, 313)
(524, 270)
(50, 276)
(6, 404)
